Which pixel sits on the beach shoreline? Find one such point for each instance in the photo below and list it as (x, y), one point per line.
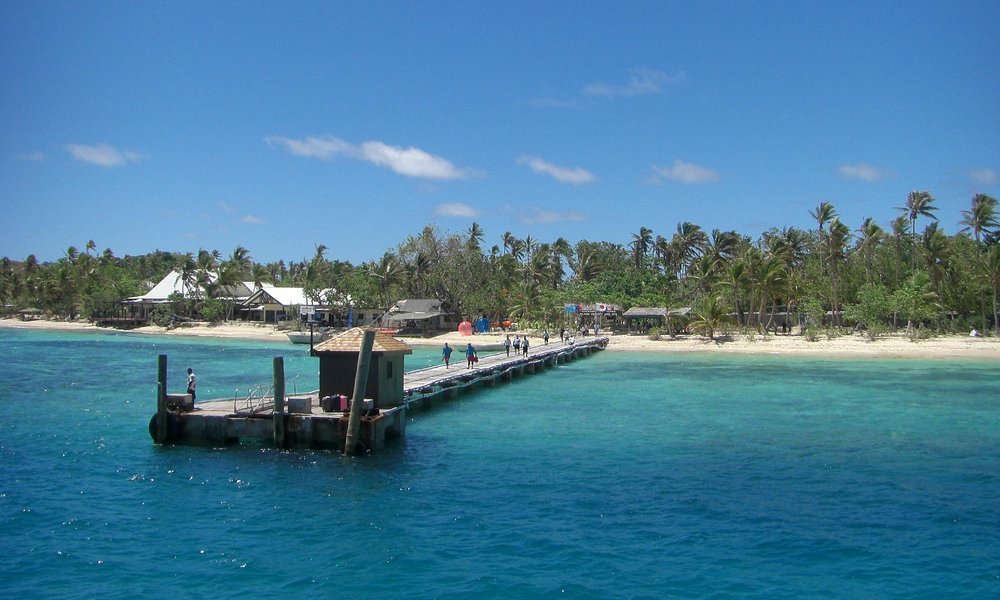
(852, 345)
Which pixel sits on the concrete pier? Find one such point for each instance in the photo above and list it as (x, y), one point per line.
(307, 421)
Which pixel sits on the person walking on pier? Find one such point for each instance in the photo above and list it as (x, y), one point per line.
(506, 344)
(524, 345)
(191, 383)
(545, 336)
(517, 345)
(470, 355)
(446, 354)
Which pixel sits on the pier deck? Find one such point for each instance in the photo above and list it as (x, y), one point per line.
(306, 423)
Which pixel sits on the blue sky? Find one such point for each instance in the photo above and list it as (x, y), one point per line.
(279, 126)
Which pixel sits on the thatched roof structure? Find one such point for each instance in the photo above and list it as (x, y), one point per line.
(641, 312)
(350, 341)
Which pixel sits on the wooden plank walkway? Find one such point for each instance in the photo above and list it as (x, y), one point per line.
(434, 380)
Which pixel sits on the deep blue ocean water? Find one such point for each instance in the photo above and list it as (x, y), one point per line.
(617, 476)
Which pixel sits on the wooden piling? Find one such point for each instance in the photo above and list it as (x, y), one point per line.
(360, 385)
(161, 400)
(279, 401)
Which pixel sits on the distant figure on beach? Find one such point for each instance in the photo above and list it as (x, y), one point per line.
(191, 383)
(545, 336)
(517, 345)
(524, 345)
(506, 344)
(470, 355)
(562, 334)
(974, 333)
(446, 354)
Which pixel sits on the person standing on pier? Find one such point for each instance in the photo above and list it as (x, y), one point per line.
(446, 354)
(545, 336)
(191, 383)
(470, 355)
(524, 345)
(506, 344)
(517, 345)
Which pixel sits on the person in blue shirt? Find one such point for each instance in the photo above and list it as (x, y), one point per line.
(470, 355)
(446, 354)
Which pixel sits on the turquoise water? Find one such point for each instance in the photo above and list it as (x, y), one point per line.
(617, 476)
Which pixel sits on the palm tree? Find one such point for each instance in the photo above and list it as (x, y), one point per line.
(710, 315)
(871, 236)
(664, 252)
(189, 276)
(525, 300)
(230, 276)
(640, 245)
(529, 245)
(823, 214)
(721, 248)
(736, 278)
(508, 241)
(689, 242)
(991, 274)
(240, 259)
(475, 236)
(773, 279)
(417, 273)
(917, 203)
(836, 246)
(559, 250)
(260, 275)
(388, 273)
(585, 265)
(981, 216)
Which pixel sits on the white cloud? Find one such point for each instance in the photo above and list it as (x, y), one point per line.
(102, 155)
(456, 209)
(863, 172)
(226, 207)
(252, 220)
(32, 156)
(983, 176)
(537, 215)
(685, 172)
(574, 175)
(412, 162)
(641, 82)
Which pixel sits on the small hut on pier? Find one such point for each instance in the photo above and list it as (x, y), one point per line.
(338, 364)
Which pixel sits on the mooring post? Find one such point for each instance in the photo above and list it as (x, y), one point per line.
(360, 385)
(279, 402)
(161, 399)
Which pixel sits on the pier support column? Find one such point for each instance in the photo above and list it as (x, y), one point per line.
(279, 402)
(161, 399)
(360, 385)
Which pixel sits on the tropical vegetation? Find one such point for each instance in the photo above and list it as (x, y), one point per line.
(907, 274)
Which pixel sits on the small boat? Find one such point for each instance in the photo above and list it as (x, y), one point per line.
(302, 337)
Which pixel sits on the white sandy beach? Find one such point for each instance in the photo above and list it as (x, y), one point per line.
(856, 345)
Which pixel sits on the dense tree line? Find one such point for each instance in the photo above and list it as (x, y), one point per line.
(907, 273)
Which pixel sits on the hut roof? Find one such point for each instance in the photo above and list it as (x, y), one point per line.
(350, 341)
(645, 311)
